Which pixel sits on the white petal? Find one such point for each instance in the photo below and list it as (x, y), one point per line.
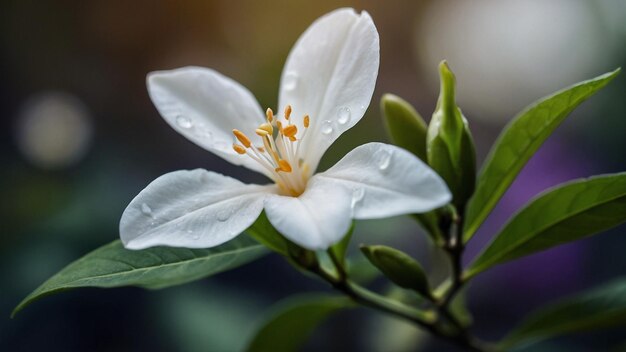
(330, 75)
(192, 209)
(205, 106)
(385, 181)
(316, 219)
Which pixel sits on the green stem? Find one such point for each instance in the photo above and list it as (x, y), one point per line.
(425, 319)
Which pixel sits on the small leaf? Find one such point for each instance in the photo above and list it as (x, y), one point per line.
(519, 141)
(113, 266)
(405, 126)
(602, 307)
(399, 267)
(575, 210)
(263, 231)
(293, 320)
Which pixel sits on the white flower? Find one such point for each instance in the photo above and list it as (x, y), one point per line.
(326, 85)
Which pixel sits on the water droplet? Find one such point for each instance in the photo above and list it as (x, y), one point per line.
(146, 210)
(223, 215)
(196, 237)
(343, 115)
(327, 127)
(183, 121)
(384, 159)
(357, 196)
(363, 107)
(290, 81)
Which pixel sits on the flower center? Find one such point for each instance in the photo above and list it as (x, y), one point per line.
(280, 152)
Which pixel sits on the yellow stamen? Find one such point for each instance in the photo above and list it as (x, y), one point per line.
(270, 115)
(290, 131)
(293, 139)
(287, 112)
(261, 149)
(242, 138)
(280, 127)
(239, 149)
(283, 165)
(306, 121)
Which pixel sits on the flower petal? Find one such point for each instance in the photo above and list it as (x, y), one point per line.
(316, 219)
(205, 106)
(386, 181)
(330, 75)
(192, 209)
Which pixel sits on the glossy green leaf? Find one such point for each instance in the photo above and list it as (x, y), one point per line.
(405, 126)
(292, 321)
(602, 307)
(566, 213)
(113, 266)
(263, 231)
(519, 141)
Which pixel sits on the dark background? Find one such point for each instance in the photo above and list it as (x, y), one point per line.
(80, 138)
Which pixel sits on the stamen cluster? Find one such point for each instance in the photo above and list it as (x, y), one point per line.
(280, 152)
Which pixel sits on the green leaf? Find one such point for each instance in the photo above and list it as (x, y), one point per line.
(602, 307)
(113, 266)
(519, 141)
(405, 126)
(399, 267)
(566, 213)
(293, 320)
(263, 231)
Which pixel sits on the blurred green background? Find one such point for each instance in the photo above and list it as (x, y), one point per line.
(80, 138)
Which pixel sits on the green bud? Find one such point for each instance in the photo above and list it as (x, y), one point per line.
(449, 144)
(399, 267)
(405, 126)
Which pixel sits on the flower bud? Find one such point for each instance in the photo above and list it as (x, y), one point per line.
(399, 267)
(449, 144)
(405, 126)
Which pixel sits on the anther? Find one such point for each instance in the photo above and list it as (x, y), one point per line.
(239, 149)
(287, 112)
(242, 138)
(290, 131)
(270, 115)
(267, 127)
(306, 121)
(283, 165)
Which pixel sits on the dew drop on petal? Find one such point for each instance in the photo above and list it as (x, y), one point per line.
(223, 215)
(357, 196)
(290, 81)
(327, 127)
(183, 122)
(146, 210)
(343, 115)
(383, 159)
